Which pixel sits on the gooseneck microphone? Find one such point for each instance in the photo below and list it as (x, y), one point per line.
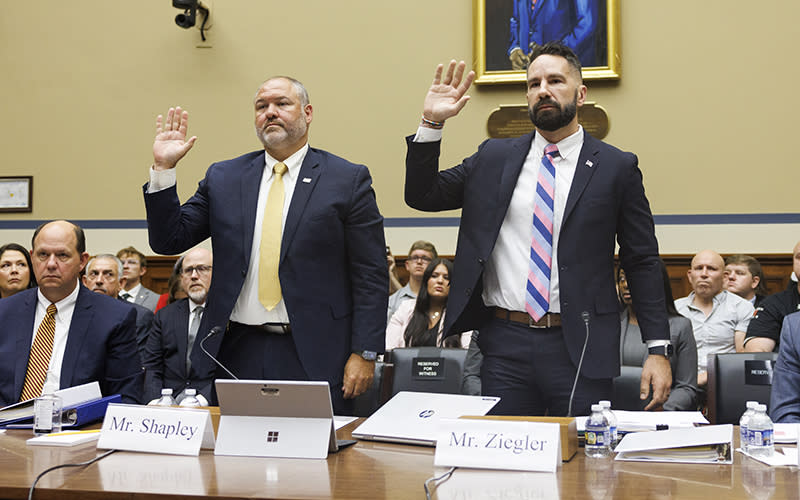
(214, 331)
(585, 317)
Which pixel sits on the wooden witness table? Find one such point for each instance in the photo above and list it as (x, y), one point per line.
(368, 470)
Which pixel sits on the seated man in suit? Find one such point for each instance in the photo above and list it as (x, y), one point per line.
(764, 331)
(102, 276)
(134, 266)
(173, 358)
(784, 402)
(60, 334)
(719, 318)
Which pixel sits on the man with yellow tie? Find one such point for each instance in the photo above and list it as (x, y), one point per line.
(61, 334)
(300, 281)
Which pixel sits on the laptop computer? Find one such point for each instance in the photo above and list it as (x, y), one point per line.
(275, 418)
(413, 417)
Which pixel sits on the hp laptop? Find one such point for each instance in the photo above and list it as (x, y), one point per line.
(413, 417)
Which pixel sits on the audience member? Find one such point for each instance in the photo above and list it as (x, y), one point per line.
(535, 264)
(173, 357)
(420, 322)
(420, 255)
(301, 279)
(763, 334)
(134, 266)
(719, 318)
(683, 396)
(102, 276)
(471, 376)
(15, 270)
(784, 404)
(744, 277)
(174, 288)
(60, 334)
(394, 281)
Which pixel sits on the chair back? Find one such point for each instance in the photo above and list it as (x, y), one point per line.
(734, 379)
(428, 369)
(378, 393)
(626, 390)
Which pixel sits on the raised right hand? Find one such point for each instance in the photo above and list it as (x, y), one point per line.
(447, 95)
(170, 144)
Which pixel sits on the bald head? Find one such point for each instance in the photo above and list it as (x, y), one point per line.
(707, 274)
(196, 274)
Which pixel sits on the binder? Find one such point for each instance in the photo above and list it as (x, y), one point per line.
(72, 417)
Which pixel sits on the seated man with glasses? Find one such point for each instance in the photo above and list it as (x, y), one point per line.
(419, 256)
(103, 274)
(173, 358)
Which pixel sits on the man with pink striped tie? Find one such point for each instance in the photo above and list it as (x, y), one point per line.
(535, 256)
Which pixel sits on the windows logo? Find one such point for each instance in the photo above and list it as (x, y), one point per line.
(272, 436)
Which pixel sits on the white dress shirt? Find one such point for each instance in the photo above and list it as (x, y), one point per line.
(64, 309)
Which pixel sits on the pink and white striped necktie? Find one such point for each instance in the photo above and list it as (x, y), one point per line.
(537, 296)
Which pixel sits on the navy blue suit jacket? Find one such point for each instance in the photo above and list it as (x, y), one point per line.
(606, 201)
(573, 22)
(101, 345)
(784, 404)
(332, 270)
(165, 355)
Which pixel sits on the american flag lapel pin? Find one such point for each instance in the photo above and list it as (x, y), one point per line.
(306, 179)
(589, 163)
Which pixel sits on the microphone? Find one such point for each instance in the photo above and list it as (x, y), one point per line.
(585, 317)
(214, 331)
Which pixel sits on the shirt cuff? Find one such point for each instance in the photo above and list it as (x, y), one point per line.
(657, 343)
(425, 134)
(161, 180)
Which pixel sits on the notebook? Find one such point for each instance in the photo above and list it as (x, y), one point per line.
(413, 417)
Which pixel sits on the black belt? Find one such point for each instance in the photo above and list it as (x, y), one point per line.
(549, 320)
(270, 328)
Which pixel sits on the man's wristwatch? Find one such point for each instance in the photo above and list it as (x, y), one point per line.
(664, 350)
(368, 355)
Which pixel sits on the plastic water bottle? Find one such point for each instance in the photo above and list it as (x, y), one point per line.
(597, 434)
(744, 436)
(166, 398)
(613, 423)
(760, 429)
(190, 399)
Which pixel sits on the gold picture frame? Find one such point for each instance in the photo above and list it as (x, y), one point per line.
(493, 36)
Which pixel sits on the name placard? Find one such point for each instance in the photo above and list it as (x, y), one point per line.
(496, 444)
(154, 429)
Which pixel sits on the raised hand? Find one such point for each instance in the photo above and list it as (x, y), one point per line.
(447, 95)
(170, 144)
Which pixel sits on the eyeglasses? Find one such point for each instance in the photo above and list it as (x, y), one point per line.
(201, 270)
(419, 258)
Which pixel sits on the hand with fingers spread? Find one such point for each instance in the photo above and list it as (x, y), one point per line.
(447, 95)
(170, 144)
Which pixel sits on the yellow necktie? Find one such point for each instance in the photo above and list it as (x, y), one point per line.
(39, 360)
(269, 286)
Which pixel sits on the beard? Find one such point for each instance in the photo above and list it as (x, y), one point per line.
(288, 133)
(198, 296)
(553, 119)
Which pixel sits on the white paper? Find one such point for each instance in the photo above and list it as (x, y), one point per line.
(635, 421)
(786, 456)
(340, 421)
(785, 433)
(74, 396)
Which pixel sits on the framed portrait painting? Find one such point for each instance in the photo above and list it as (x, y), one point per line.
(506, 31)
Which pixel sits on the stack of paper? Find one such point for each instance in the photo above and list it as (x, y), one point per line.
(707, 444)
(72, 438)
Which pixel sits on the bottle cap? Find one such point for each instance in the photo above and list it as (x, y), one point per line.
(191, 392)
(762, 407)
(752, 404)
(597, 408)
(605, 403)
(166, 392)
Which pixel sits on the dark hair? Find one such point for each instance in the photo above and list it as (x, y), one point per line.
(132, 251)
(24, 251)
(754, 266)
(174, 281)
(557, 49)
(417, 328)
(80, 237)
(669, 302)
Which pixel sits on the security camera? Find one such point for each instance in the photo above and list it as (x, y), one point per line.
(187, 19)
